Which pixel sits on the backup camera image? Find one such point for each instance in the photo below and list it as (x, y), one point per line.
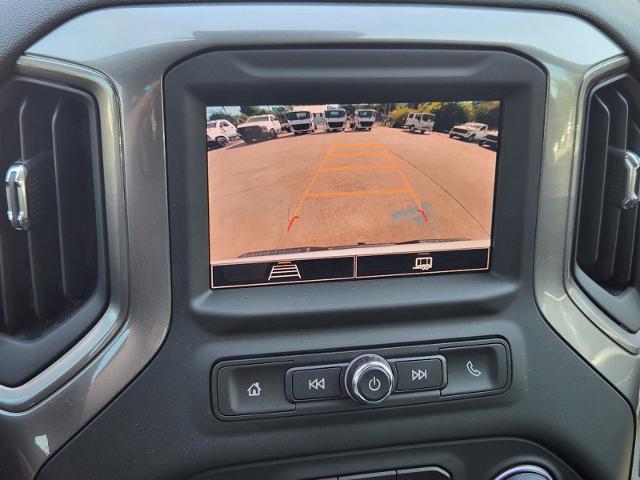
(307, 193)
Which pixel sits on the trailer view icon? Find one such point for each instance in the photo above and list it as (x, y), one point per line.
(424, 264)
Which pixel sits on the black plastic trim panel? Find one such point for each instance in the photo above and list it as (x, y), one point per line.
(463, 460)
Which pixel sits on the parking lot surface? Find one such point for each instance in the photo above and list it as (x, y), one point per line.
(347, 188)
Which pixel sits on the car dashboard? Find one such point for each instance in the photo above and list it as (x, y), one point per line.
(517, 358)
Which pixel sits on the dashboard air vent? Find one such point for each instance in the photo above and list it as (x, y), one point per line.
(52, 283)
(607, 234)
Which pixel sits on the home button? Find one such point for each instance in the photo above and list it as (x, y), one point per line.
(249, 389)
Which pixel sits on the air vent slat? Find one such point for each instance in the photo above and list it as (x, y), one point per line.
(35, 130)
(607, 230)
(593, 181)
(604, 266)
(634, 137)
(71, 155)
(621, 274)
(629, 224)
(15, 286)
(43, 238)
(619, 109)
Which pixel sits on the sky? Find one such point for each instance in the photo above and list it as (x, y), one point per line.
(234, 110)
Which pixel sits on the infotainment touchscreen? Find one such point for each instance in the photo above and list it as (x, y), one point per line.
(311, 193)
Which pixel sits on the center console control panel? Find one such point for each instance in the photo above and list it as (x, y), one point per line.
(359, 379)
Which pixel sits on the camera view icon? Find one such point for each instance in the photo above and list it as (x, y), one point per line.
(423, 264)
(284, 270)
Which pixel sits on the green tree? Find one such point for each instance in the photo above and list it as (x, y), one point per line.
(448, 114)
(398, 116)
(250, 110)
(223, 115)
(487, 112)
(220, 115)
(349, 108)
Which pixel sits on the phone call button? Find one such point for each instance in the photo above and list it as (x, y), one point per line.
(478, 368)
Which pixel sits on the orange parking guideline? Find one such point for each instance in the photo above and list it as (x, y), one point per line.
(358, 145)
(295, 215)
(335, 152)
(359, 154)
(411, 190)
(358, 193)
(344, 168)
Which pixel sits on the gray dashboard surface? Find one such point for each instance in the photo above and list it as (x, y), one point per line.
(22, 22)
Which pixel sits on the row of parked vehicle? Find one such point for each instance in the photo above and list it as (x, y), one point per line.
(476, 132)
(264, 127)
(470, 131)
(333, 120)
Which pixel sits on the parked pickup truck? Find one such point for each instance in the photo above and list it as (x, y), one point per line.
(259, 127)
(491, 140)
(470, 131)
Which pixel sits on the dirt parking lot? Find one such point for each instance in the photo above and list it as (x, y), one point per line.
(346, 188)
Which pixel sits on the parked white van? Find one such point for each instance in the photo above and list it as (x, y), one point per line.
(220, 133)
(364, 119)
(420, 122)
(301, 122)
(335, 119)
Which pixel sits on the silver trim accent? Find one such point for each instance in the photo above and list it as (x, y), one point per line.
(524, 469)
(16, 189)
(567, 309)
(631, 164)
(361, 365)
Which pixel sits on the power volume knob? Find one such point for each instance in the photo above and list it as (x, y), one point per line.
(525, 472)
(369, 379)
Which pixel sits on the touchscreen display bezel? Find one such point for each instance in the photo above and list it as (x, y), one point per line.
(326, 74)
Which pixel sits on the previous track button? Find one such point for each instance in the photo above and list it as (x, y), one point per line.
(316, 383)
